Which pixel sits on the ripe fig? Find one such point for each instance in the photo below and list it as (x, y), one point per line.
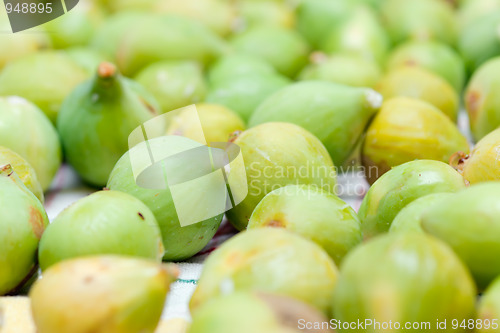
(410, 217)
(399, 187)
(481, 101)
(433, 56)
(181, 242)
(268, 13)
(235, 65)
(26, 130)
(245, 93)
(423, 19)
(268, 260)
(469, 222)
(406, 129)
(105, 294)
(22, 223)
(404, 278)
(217, 121)
(276, 155)
(246, 312)
(44, 78)
(88, 120)
(285, 49)
(489, 308)
(313, 213)
(174, 84)
(23, 169)
(336, 114)
(422, 84)
(105, 222)
(15, 315)
(344, 69)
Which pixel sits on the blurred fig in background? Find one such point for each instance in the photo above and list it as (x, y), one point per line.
(87, 58)
(238, 64)
(26, 130)
(406, 129)
(489, 308)
(264, 13)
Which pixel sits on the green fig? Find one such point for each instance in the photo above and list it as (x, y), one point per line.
(469, 222)
(129, 6)
(410, 217)
(247, 312)
(96, 119)
(412, 281)
(359, 34)
(245, 93)
(106, 294)
(423, 84)
(344, 69)
(480, 40)
(268, 260)
(473, 11)
(406, 129)
(24, 170)
(26, 130)
(86, 57)
(181, 242)
(422, 19)
(22, 223)
(265, 13)
(334, 113)
(276, 155)
(285, 49)
(105, 222)
(234, 65)
(481, 101)
(44, 78)
(174, 84)
(433, 56)
(399, 187)
(217, 121)
(489, 309)
(313, 213)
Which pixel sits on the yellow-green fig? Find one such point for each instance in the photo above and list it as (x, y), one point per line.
(313, 213)
(248, 312)
(276, 155)
(401, 186)
(406, 129)
(423, 84)
(400, 280)
(268, 260)
(26, 130)
(238, 64)
(22, 223)
(489, 309)
(104, 294)
(259, 13)
(105, 222)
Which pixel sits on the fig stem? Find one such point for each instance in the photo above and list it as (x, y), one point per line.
(106, 70)
(457, 161)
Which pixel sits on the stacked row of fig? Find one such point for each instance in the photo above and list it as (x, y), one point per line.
(305, 88)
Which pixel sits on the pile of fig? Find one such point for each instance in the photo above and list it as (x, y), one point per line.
(285, 165)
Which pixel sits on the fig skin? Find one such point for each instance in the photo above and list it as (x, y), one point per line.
(246, 312)
(174, 84)
(404, 277)
(481, 101)
(96, 120)
(406, 129)
(22, 223)
(401, 186)
(268, 13)
(433, 56)
(87, 58)
(410, 217)
(285, 49)
(105, 222)
(180, 242)
(276, 155)
(489, 306)
(483, 165)
(312, 213)
(25, 129)
(473, 11)
(268, 260)
(422, 84)
(217, 121)
(343, 69)
(111, 294)
(336, 114)
(469, 222)
(24, 170)
(238, 64)
(44, 78)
